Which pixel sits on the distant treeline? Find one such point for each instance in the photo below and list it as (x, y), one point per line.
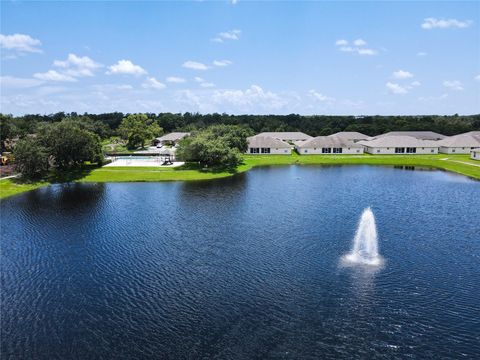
(312, 125)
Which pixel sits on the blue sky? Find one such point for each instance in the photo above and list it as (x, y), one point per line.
(241, 57)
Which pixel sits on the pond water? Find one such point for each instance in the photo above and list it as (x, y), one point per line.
(243, 268)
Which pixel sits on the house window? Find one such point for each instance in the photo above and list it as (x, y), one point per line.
(254, 150)
(326, 150)
(337, 150)
(433, 151)
(411, 150)
(305, 151)
(358, 151)
(399, 150)
(265, 150)
(378, 151)
(453, 150)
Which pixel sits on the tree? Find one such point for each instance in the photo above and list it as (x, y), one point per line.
(137, 129)
(7, 130)
(70, 145)
(31, 158)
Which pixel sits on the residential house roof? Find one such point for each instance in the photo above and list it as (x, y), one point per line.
(470, 139)
(327, 142)
(287, 136)
(351, 135)
(266, 142)
(174, 136)
(398, 141)
(421, 135)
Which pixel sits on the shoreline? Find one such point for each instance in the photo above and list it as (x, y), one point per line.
(460, 164)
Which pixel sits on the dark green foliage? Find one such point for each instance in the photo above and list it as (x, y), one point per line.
(31, 158)
(216, 146)
(137, 129)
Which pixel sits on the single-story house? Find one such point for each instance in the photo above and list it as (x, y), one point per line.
(170, 139)
(460, 144)
(399, 145)
(287, 136)
(475, 154)
(421, 135)
(351, 136)
(260, 144)
(328, 145)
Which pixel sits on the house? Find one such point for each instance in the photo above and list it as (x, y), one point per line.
(460, 144)
(328, 145)
(421, 135)
(351, 136)
(287, 136)
(170, 139)
(475, 154)
(261, 144)
(399, 145)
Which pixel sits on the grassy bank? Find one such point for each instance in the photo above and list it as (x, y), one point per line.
(460, 164)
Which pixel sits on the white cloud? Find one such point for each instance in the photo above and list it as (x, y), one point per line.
(198, 79)
(422, 53)
(359, 42)
(233, 2)
(77, 66)
(20, 43)
(152, 83)
(359, 48)
(207, 84)
(125, 67)
(176, 80)
(125, 87)
(396, 88)
(432, 98)
(453, 85)
(252, 99)
(222, 62)
(477, 77)
(194, 65)
(341, 42)
(433, 23)
(402, 74)
(320, 97)
(18, 83)
(416, 83)
(227, 35)
(52, 75)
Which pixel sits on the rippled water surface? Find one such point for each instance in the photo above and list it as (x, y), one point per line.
(243, 268)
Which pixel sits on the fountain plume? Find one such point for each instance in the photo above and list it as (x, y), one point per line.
(365, 244)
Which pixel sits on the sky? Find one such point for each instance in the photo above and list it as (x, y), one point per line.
(241, 57)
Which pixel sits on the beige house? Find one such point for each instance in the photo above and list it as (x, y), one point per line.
(460, 144)
(328, 145)
(421, 135)
(286, 136)
(261, 144)
(475, 154)
(170, 139)
(399, 145)
(351, 136)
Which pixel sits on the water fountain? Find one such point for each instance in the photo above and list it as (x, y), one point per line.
(365, 243)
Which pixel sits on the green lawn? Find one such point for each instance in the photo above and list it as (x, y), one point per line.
(454, 163)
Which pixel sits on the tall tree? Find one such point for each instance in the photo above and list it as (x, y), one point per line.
(137, 129)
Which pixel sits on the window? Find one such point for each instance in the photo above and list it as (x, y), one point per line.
(433, 151)
(265, 150)
(453, 150)
(254, 150)
(326, 150)
(378, 151)
(305, 151)
(358, 151)
(411, 150)
(337, 150)
(399, 150)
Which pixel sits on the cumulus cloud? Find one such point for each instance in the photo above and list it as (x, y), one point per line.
(53, 75)
(20, 42)
(194, 65)
(357, 48)
(77, 66)
(396, 88)
(125, 67)
(433, 23)
(176, 80)
(477, 77)
(246, 100)
(402, 74)
(222, 62)
(203, 83)
(227, 35)
(422, 53)
(416, 83)
(320, 97)
(152, 83)
(454, 85)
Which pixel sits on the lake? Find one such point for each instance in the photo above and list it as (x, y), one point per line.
(243, 268)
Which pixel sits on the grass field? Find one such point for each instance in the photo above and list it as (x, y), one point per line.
(460, 164)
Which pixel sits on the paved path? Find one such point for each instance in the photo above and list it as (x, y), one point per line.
(9, 177)
(461, 162)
